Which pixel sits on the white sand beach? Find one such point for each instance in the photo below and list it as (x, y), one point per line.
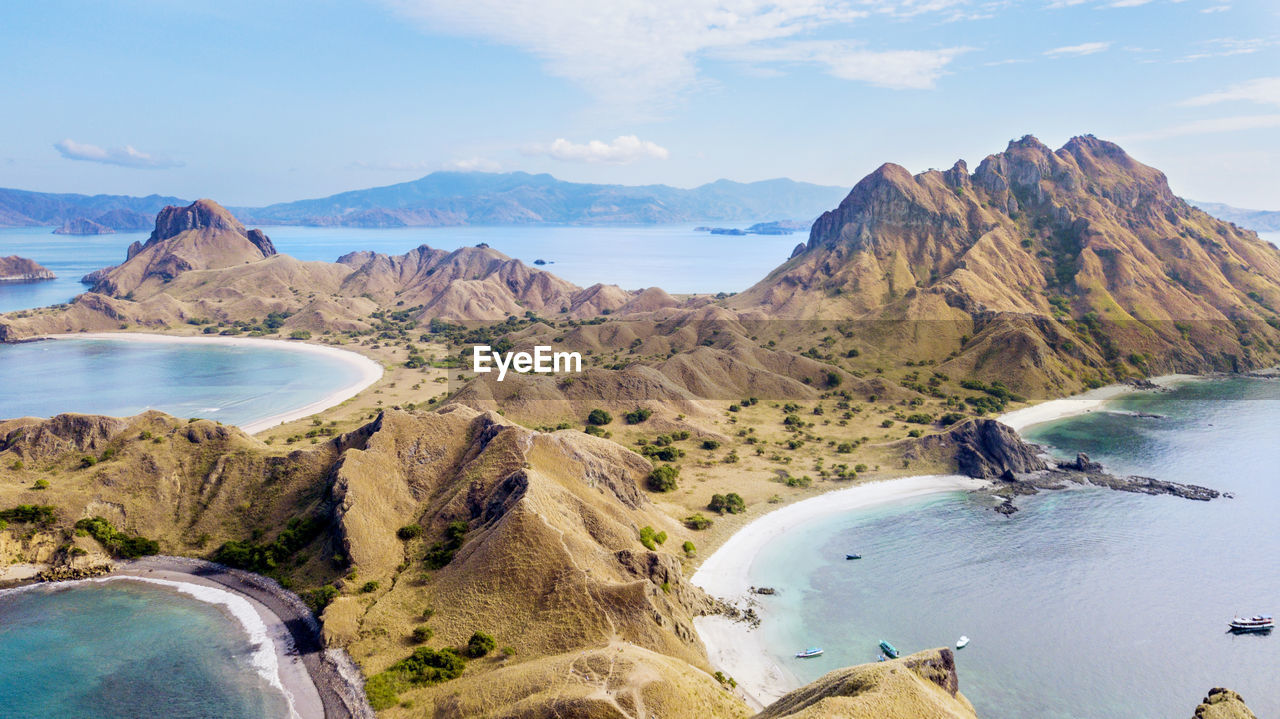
(1083, 403)
(734, 647)
(369, 370)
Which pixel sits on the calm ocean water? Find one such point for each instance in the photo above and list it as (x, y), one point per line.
(673, 257)
(1087, 604)
(126, 649)
(232, 384)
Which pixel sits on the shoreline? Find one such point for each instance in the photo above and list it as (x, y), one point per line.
(1083, 403)
(370, 371)
(736, 648)
(316, 681)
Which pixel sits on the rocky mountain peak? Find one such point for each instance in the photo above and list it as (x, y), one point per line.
(201, 214)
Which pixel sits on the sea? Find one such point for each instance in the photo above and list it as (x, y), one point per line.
(676, 258)
(1085, 604)
(90, 650)
(233, 383)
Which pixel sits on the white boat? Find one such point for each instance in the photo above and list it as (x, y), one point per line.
(962, 642)
(811, 652)
(1256, 623)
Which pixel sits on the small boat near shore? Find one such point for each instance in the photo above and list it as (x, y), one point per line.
(1256, 623)
(810, 652)
(853, 556)
(889, 650)
(962, 642)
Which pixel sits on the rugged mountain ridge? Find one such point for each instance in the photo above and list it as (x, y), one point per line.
(1040, 267)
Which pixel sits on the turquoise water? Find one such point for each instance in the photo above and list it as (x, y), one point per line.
(673, 257)
(126, 649)
(231, 384)
(1087, 603)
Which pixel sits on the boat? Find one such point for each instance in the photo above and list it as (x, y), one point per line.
(853, 556)
(888, 649)
(810, 652)
(1256, 623)
(962, 642)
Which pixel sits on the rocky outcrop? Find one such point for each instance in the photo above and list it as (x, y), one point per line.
(988, 449)
(83, 226)
(1222, 703)
(20, 269)
(200, 236)
(921, 686)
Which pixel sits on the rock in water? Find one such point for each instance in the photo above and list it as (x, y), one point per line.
(1223, 704)
(21, 269)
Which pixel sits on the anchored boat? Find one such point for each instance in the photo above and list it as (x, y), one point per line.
(962, 642)
(811, 652)
(853, 556)
(1256, 623)
(888, 649)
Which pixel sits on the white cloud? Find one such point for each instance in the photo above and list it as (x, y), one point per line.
(897, 69)
(1129, 3)
(474, 164)
(1216, 8)
(126, 156)
(624, 149)
(1262, 90)
(1208, 127)
(635, 54)
(1087, 48)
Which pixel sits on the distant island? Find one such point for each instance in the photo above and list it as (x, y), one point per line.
(83, 226)
(21, 269)
(777, 227)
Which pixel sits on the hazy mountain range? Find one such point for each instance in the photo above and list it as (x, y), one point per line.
(464, 198)
(1256, 220)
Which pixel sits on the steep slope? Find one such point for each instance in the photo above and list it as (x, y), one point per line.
(1080, 261)
(200, 236)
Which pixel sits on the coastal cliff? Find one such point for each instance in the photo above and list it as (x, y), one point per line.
(21, 269)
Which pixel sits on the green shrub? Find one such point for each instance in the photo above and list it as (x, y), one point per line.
(300, 335)
(887, 423)
(40, 484)
(637, 415)
(116, 542)
(441, 553)
(650, 538)
(263, 558)
(479, 645)
(369, 586)
(422, 633)
(731, 503)
(318, 599)
(409, 531)
(425, 666)
(697, 521)
(920, 418)
(710, 444)
(663, 479)
(30, 514)
(689, 549)
(599, 417)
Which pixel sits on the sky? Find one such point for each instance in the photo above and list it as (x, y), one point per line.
(251, 103)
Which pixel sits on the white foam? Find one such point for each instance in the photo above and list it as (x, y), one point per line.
(264, 639)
